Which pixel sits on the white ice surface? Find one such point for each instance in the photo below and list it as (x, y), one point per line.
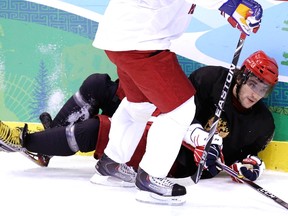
(64, 188)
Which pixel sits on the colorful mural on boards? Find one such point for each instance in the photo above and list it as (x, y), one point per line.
(46, 53)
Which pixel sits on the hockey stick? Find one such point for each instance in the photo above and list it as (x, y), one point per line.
(196, 177)
(261, 190)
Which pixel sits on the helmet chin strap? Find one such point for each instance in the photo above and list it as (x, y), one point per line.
(243, 80)
(238, 86)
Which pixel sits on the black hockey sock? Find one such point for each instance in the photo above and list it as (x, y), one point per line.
(54, 142)
(49, 142)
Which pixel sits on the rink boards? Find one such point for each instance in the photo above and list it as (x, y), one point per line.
(274, 156)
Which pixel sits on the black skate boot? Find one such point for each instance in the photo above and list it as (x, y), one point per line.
(158, 190)
(46, 120)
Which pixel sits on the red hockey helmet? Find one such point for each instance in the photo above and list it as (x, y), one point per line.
(262, 66)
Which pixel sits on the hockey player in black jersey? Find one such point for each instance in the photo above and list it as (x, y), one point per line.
(246, 125)
(245, 128)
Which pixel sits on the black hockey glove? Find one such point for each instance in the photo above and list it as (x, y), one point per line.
(215, 153)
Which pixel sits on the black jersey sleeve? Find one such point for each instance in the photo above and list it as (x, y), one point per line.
(249, 135)
(266, 129)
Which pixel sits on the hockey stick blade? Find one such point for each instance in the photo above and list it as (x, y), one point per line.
(261, 190)
(197, 175)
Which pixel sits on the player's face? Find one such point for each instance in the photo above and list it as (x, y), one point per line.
(252, 91)
(247, 97)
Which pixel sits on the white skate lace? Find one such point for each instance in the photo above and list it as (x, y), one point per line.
(162, 182)
(127, 170)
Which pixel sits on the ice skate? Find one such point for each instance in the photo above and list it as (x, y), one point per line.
(158, 190)
(39, 159)
(11, 139)
(111, 173)
(46, 120)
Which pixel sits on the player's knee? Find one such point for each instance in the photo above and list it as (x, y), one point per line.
(140, 112)
(83, 135)
(184, 114)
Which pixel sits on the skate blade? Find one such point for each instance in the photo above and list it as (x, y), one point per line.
(7, 148)
(152, 198)
(110, 181)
